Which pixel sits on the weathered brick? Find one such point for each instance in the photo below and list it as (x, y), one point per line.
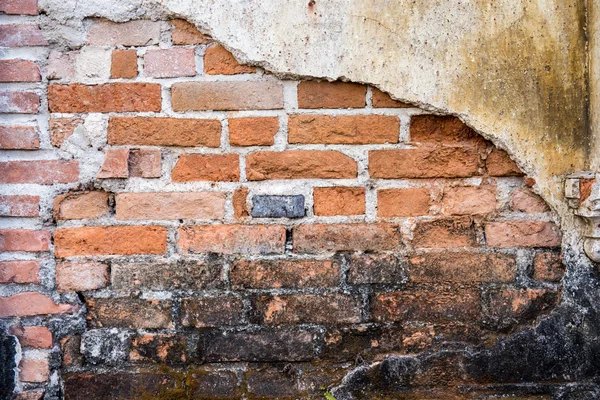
(232, 239)
(26, 7)
(410, 202)
(266, 274)
(19, 138)
(524, 200)
(240, 208)
(442, 129)
(166, 349)
(103, 386)
(183, 275)
(300, 164)
(548, 266)
(212, 311)
(110, 97)
(219, 61)
(44, 172)
(469, 200)
(504, 309)
(329, 201)
(145, 163)
(70, 348)
(19, 271)
(313, 94)
(462, 267)
(62, 128)
(369, 269)
(32, 370)
(499, 163)
(267, 206)
(272, 383)
(457, 232)
(19, 102)
(21, 35)
(24, 240)
(309, 308)
(343, 129)
(30, 395)
(383, 100)
(80, 276)
(522, 234)
(348, 343)
(31, 303)
(426, 306)
(83, 205)
(19, 71)
(224, 96)
(253, 131)
(107, 240)
(38, 337)
(424, 162)
(124, 64)
(105, 347)
(204, 205)
(312, 381)
(19, 206)
(170, 63)
(115, 164)
(319, 238)
(186, 33)
(61, 65)
(149, 131)
(206, 167)
(129, 313)
(132, 33)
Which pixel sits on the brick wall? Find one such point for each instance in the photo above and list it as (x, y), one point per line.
(178, 225)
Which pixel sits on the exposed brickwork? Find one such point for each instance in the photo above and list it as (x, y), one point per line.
(19, 271)
(219, 61)
(117, 97)
(170, 63)
(339, 201)
(19, 206)
(186, 33)
(19, 138)
(124, 64)
(313, 94)
(19, 71)
(198, 167)
(253, 131)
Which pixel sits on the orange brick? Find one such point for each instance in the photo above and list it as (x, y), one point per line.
(345, 237)
(240, 207)
(268, 274)
(85, 205)
(19, 206)
(210, 167)
(19, 71)
(80, 276)
(129, 313)
(300, 164)
(253, 131)
(115, 165)
(155, 206)
(32, 303)
(219, 61)
(469, 200)
(145, 163)
(34, 370)
(355, 129)
(232, 239)
(24, 240)
(124, 64)
(62, 128)
(19, 271)
(44, 172)
(442, 233)
(19, 138)
(410, 202)
(330, 201)
(442, 129)
(522, 234)
(309, 308)
(186, 33)
(313, 94)
(383, 100)
(462, 267)
(525, 200)
(38, 337)
(548, 266)
(499, 163)
(107, 240)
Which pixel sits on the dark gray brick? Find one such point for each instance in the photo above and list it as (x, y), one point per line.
(266, 206)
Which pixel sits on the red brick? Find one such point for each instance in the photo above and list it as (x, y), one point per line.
(368, 269)
(442, 129)
(212, 311)
(469, 200)
(320, 238)
(329, 201)
(383, 100)
(240, 207)
(443, 233)
(186, 33)
(499, 163)
(300, 164)
(110, 97)
(31, 303)
(83, 205)
(115, 165)
(224, 96)
(219, 61)
(232, 239)
(107, 240)
(161, 348)
(313, 94)
(129, 313)
(34, 370)
(24, 240)
(170, 63)
(62, 128)
(548, 266)
(155, 206)
(253, 131)
(44, 172)
(80, 276)
(21, 35)
(343, 129)
(522, 234)
(147, 131)
(410, 202)
(19, 271)
(145, 163)
(524, 200)
(70, 349)
(504, 309)
(33, 395)
(19, 102)
(268, 274)
(38, 337)
(132, 33)
(424, 162)
(19, 71)
(308, 308)
(19, 206)
(462, 267)
(26, 7)
(426, 306)
(124, 64)
(210, 167)
(19, 138)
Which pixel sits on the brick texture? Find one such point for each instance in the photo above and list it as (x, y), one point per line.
(19, 206)
(31, 303)
(19, 271)
(345, 237)
(219, 61)
(27, 7)
(329, 201)
(21, 35)
(170, 63)
(359, 129)
(24, 240)
(19, 71)
(522, 234)
(284, 274)
(403, 202)
(313, 94)
(86, 205)
(80, 276)
(232, 239)
(142, 206)
(186, 33)
(214, 167)
(124, 64)
(132, 33)
(38, 337)
(113, 97)
(19, 102)
(19, 138)
(253, 131)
